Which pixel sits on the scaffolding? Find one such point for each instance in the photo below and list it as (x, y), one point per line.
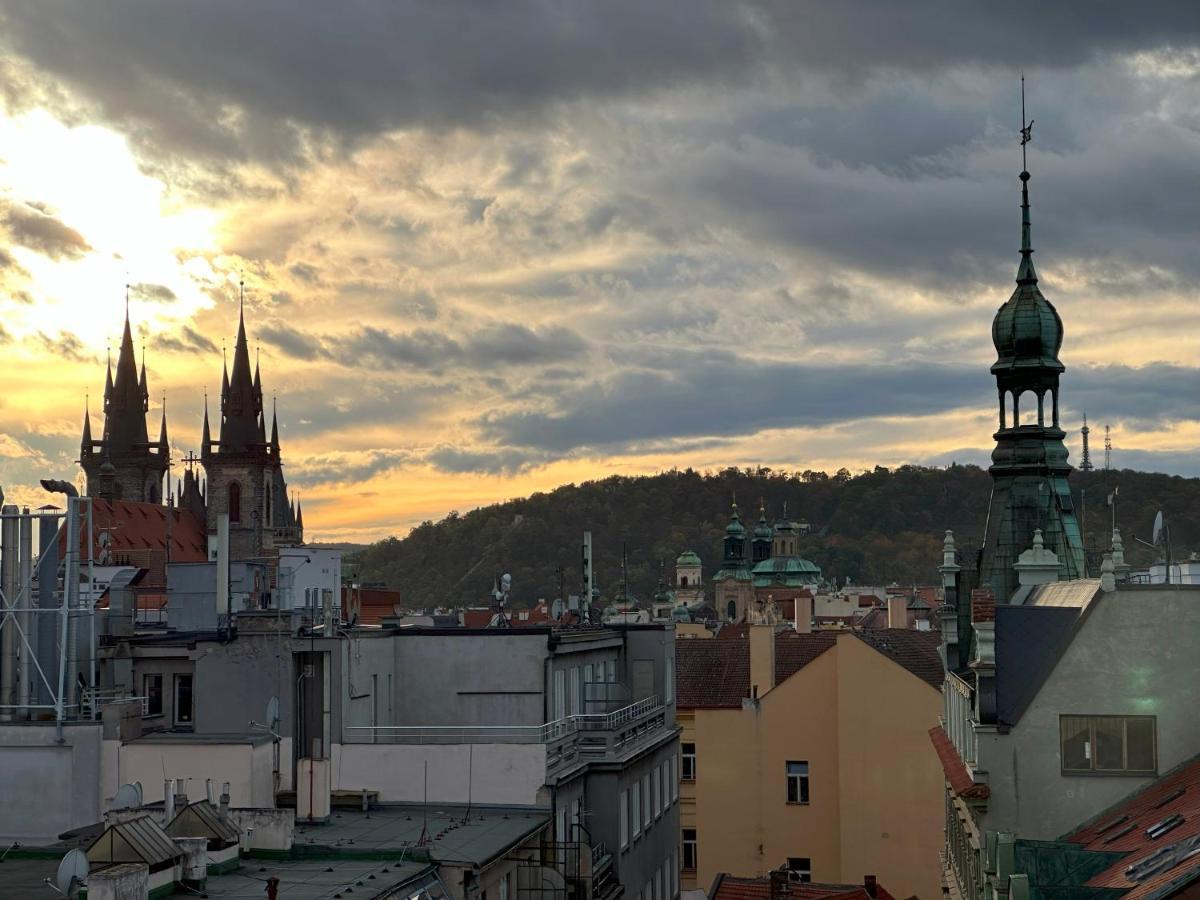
(48, 664)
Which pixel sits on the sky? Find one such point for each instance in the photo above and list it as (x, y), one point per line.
(489, 249)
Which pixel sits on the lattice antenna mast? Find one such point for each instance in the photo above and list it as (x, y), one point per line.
(1085, 463)
(1107, 448)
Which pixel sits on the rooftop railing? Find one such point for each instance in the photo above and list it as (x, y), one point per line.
(571, 738)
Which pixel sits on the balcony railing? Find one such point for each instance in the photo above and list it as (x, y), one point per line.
(570, 739)
(959, 717)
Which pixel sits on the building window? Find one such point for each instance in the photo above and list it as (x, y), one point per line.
(560, 694)
(235, 502)
(799, 868)
(1108, 745)
(669, 682)
(646, 817)
(504, 886)
(151, 695)
(635, 808)
(656, 790)
(183, 699)
(624, 819)
(797, 782)
(688, 771)
(576, 692)
(659, 886)
(672, 780)
(690, 846)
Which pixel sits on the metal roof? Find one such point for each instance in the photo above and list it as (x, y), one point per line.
(201, 819)
(138, 840)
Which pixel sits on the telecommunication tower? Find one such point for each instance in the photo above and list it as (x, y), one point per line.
(1085, 463)
(1107, 448)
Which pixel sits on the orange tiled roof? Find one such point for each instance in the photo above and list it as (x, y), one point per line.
(138, 531)
(960, 779)
(728, 887)
(1124, 827)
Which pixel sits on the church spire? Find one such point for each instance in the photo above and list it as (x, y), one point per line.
(206, 437)
(162, 430)
(241, 428)
(85, 443)
(274, 428)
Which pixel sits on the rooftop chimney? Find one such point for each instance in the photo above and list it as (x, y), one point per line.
(779, 884)
(871, 886)
(762, 658)
(225, 799)
(804, 611)
(897, 607)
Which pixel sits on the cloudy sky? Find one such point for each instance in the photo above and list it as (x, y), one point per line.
(493, 248)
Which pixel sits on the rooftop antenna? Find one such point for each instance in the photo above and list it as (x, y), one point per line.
(466, 820)
(1107, 448)
(1026, 128)
(423, 840)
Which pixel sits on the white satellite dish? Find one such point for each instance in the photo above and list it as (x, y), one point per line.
(129, 796)
(273, 712)
(556, 608)
(1158, 527)
(72, 873)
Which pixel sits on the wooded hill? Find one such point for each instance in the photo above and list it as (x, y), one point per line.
(876, 527)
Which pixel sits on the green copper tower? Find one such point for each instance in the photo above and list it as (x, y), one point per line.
(1029, 465)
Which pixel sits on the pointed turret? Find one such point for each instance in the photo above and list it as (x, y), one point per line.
(299, 517)
(206, 435)
(274, 429)
(85, 443)
(240, 427)
(162, 430)
(143, 384)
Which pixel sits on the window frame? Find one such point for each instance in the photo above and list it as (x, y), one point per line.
(148, 711)
(647, 813)
(656, 790)
(800, 781)
(635, 806)
(693, 843)
(624, 815)
(180, 677)
(1074, 720)
(687, 762)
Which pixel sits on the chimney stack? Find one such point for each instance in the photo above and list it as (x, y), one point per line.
(871, 886)
(762, 658)
(779, 884)
(803, 606)
(897, 611)
(168, 801)
(225, 799)
(210, 793)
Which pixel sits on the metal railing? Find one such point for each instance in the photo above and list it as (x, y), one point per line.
(615, 729)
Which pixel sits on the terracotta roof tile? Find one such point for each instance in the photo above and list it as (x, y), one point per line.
(917, 651)
(1124, 828)
(960, 779)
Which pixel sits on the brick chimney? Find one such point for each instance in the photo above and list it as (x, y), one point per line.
(779, 884)
(762, 659)
(897, 607)
(983, 605)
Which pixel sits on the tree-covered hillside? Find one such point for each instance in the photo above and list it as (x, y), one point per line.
(876, 527)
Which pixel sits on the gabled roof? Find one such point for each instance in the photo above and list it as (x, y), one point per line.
(1157, 861)
(138, 840)
(729, 887)
(201, 819)
(716, 674)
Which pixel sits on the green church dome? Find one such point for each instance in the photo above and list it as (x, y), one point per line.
(688, 558)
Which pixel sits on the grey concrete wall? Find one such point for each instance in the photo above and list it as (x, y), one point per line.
(470, 679)
(193, 591)
(48, 788)
(1135, 654)
(235, 681)
(644, 856)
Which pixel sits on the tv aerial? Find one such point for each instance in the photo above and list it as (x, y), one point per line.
(72, 874)
(502, 587)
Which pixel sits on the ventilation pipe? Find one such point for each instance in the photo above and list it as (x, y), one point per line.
(9, 580)
(168, 801)
(210, 793)
(25, 617)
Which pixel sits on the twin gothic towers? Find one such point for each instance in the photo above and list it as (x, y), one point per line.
(243, 467)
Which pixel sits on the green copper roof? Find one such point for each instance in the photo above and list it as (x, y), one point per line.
(735, 526)
(688, 558)
(787, 565)
(1027, 331)
(732, 575)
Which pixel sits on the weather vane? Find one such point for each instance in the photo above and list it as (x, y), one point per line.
(1026, 128)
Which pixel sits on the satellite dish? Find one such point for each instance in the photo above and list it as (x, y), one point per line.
(128, 797)
(273, 712)
(72, 873)
(505, 582)
(1158, 527)
(556, 608)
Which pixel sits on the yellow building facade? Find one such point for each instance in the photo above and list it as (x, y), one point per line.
(811, 751)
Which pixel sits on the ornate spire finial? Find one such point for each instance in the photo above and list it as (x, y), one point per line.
(1026, 273)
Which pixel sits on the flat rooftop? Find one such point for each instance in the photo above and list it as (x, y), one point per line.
(485, 835)
(316, 879)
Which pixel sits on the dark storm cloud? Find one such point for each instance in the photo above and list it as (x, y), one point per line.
(66, 346)
(159, 293)
(291, 341)
(458, 460)
(186, 340)
(173, 71)
(513, 343)
(35, 229)
(716, 394)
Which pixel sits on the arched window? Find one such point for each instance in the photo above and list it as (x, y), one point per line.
(683, 581)
(731, 611)
(235, 502)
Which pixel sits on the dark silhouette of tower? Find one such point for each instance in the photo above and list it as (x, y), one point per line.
(1085, 461)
